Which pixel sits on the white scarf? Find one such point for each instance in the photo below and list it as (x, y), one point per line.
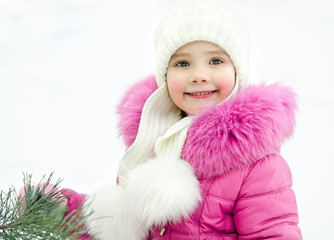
(156, 186)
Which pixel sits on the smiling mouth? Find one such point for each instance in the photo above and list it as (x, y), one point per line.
(199, 94)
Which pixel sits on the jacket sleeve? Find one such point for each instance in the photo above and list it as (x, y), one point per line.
(266, 206)
(75, 201)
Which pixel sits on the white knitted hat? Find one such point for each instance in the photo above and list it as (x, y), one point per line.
(208, 20)
(186, 21)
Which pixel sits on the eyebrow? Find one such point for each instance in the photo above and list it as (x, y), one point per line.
(177, 55)
(215, 52)
(212, 52)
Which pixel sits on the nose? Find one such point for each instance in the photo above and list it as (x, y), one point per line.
(199, 80)
(199, 76)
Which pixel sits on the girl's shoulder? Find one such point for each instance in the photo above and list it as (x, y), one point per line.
(241, 130)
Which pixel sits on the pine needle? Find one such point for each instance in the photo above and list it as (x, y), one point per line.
(37, 215)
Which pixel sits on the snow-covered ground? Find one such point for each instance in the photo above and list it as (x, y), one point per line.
(65, 64)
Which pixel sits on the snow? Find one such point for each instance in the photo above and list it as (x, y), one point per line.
(65, 64)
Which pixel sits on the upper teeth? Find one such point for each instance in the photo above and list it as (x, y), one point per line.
(202, 93)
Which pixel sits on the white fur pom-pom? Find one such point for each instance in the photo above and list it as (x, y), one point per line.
(157, 192)
(108, 217)
(162, 190)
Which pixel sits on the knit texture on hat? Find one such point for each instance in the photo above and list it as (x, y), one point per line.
(207, 20)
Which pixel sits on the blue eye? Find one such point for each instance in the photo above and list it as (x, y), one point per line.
(216, 61)
(182, 64)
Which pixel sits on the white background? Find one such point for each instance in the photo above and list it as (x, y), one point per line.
(65, 64)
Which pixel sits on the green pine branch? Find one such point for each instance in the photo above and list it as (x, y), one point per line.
(37, 215)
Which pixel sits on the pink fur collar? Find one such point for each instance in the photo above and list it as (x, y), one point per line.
(236, 133)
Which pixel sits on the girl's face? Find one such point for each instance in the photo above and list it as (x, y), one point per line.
(200, 74)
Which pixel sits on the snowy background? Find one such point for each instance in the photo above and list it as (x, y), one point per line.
(65, 64)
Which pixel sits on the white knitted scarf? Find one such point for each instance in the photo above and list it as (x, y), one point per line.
(156, 186)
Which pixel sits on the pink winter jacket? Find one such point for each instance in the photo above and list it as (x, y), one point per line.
(234, 151)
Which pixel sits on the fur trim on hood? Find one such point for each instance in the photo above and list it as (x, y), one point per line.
(233, 134)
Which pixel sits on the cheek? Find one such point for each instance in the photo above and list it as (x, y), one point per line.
(226, 84)
(175, 87)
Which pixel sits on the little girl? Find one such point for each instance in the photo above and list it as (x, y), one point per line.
(203, 158)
